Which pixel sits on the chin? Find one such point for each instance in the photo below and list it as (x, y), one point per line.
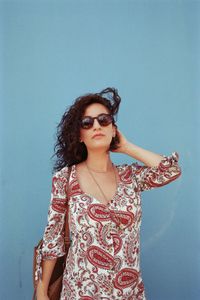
(98, 146)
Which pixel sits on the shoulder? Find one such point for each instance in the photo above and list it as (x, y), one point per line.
(60, 181)
(62, 174)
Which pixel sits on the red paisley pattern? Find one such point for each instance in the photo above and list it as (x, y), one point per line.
(153, 177)
(123, 218)
(97, 212)
(58, 205)
(117, 243)
(100, 258)
(103, 261)
(126, 277)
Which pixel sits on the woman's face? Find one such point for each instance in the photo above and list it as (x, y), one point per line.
(97, 137)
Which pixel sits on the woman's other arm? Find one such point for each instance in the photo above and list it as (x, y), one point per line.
(53, 245)
(43, 284)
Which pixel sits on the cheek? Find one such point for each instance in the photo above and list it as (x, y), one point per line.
(84, 134)
(112, 130)
(109, 133)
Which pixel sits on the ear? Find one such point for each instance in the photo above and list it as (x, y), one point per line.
(80, 139)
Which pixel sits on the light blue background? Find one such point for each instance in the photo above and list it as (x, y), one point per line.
(52, 52)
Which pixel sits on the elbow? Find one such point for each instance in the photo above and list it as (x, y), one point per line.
(176, 173)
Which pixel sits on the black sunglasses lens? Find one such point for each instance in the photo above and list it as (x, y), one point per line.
(105, 120)
(87, 122)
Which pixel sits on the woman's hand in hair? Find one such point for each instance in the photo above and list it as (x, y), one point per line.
(123, 143)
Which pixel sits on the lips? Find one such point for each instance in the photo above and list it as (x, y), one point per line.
(97, 135)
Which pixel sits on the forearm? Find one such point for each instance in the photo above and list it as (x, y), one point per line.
(149, 158)
(47, 269)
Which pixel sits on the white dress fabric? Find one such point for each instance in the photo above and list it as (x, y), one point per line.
(103, 261)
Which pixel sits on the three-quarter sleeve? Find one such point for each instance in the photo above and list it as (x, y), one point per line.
(148, 178)
(53, 245)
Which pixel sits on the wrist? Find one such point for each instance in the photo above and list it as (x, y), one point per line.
(42, 289)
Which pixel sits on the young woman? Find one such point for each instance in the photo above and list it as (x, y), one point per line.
(104, 203)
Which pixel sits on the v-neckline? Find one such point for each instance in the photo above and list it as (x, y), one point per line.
(93, 197)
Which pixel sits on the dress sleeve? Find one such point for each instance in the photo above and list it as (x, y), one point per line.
(148, 178)
(52, 245)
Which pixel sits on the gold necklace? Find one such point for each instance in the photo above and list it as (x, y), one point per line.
(97, 171)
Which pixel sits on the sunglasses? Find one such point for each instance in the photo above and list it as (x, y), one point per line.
(103, 120)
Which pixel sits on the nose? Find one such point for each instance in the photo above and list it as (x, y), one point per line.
(96, 124)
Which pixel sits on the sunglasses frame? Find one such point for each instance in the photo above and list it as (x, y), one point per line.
(93, 118)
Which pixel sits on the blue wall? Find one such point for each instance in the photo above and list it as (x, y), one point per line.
(54, 51)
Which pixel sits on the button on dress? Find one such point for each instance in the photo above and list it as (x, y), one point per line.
(103, 262)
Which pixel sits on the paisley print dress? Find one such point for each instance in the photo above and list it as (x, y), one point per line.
(103, 261)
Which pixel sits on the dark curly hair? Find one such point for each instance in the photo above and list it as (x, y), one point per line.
(68, 149)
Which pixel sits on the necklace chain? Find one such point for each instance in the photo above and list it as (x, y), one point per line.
(107, 201)
(89, 170)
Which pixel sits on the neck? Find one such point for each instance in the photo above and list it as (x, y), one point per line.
(99, 162)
